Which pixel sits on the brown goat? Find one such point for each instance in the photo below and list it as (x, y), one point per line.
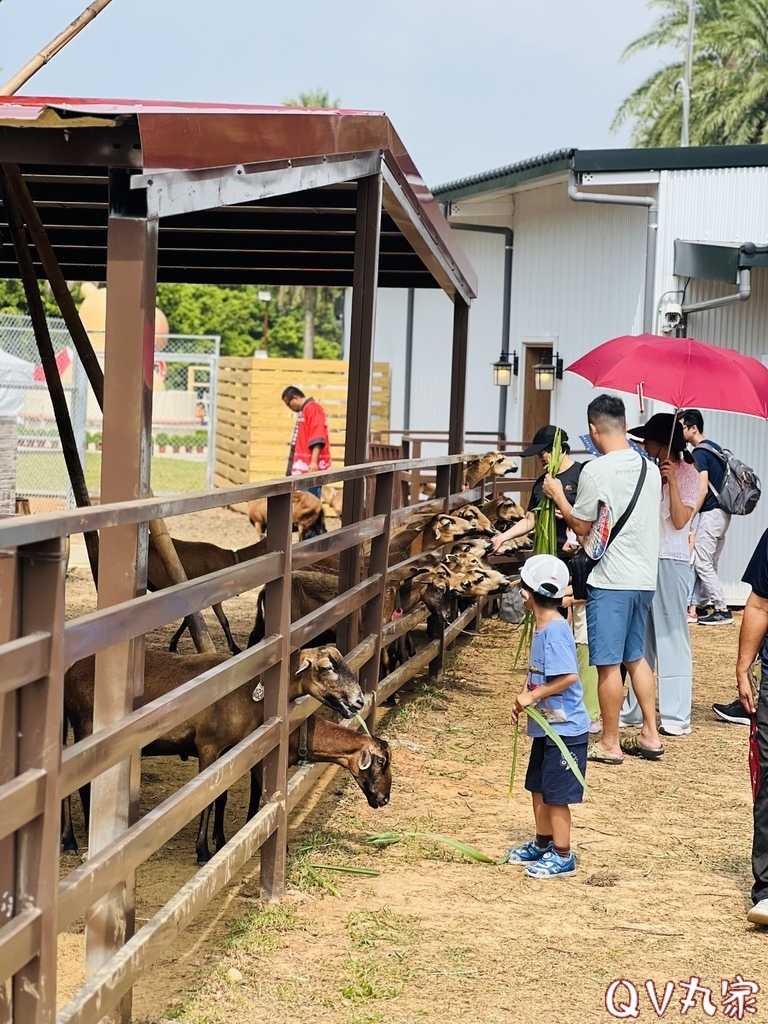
(366, 758)
(503, 511)
(490, 464)
(214, 730)
(480, 582)
(310, 590)
(308, 516)
(479, 520)
(199, 558)
(442, 528)
(332, 499)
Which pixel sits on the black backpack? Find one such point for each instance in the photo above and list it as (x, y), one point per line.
(741, 485)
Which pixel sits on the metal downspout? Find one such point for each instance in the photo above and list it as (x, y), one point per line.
(650, 242)
(745, 290)
(408, 359)
(506, 314)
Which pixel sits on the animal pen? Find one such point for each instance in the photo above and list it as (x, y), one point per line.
(135, 193)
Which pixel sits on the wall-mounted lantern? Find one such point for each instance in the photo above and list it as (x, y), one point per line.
(504, 370)
(547, 372)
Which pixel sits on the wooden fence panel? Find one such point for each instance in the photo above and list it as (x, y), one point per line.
(254, 427)
(30, 788)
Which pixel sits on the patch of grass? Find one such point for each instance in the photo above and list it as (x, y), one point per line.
(318, 847)
(167, 475)
(291, 992)
(458, 955)
(364, 1015)
(368, 929)
(260, 929)
(372, 979)
(428, 695)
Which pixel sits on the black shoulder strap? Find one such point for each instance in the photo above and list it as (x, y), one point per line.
(630, 507)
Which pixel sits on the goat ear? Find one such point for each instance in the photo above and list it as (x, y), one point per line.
(307, 663)
(365, 759)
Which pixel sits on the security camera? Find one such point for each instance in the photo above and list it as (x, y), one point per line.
(671, 317)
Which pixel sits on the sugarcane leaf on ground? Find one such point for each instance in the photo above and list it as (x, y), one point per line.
(388, 838)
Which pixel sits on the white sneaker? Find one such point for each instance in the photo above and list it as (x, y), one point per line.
(759, 913)
(674, 730)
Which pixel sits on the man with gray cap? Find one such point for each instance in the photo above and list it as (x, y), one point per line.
(540, 448)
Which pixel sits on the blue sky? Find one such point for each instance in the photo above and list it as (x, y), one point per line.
(468, 87)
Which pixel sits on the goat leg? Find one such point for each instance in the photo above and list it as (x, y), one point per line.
(256, 788)
(68, 840)
(173, 645)
(219, 839)
(224, 621)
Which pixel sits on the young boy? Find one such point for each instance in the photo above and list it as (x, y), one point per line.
(553, 686)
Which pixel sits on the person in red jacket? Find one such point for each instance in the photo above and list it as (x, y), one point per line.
(310, 446)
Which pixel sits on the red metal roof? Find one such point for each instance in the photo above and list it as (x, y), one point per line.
(192, 136)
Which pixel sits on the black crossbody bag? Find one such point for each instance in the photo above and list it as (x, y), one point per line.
(582, 564)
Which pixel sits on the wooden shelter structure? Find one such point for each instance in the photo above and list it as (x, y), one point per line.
(134, 193)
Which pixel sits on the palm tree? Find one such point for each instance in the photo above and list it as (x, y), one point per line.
(729, 84)
(315, 99)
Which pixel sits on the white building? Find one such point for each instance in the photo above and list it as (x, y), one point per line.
(578, 273)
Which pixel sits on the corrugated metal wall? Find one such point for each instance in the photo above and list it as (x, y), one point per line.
(432, 341)
(578, 278)
(729, 205)
(578, 272)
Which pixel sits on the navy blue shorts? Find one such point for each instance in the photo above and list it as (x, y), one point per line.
(317, 491)
(548, 772)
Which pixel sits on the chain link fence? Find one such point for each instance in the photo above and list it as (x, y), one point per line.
(31, 459)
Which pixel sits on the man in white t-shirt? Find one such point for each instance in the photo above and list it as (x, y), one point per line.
(621, 586)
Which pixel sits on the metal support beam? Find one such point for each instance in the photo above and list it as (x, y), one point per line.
(48, 359)
(458, 386)
(358, 424)
(128, 368)
(56, 280)
(171, 193)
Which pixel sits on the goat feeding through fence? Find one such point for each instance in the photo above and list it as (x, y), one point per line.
(239, 716)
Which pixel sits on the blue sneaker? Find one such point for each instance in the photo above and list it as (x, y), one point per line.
(529, 853)
(552, 865)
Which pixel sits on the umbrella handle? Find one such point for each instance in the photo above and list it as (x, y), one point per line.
(675, 414)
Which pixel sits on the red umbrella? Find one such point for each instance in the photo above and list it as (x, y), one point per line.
(679, 371)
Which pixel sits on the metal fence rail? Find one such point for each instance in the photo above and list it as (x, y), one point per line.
(35, 646)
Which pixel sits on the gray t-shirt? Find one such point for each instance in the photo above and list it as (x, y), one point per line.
(630, 563)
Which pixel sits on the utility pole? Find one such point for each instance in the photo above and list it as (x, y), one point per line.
(685, 83)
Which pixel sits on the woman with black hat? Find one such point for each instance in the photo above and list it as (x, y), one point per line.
(667, 641)
(541, 446)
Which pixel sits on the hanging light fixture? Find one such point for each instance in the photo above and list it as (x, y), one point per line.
(547, 372)
(504, 370)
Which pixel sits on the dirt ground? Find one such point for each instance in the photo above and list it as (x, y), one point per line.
(661, 890)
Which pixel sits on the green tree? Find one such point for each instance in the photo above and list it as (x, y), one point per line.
(237, 314)
(13, 300)
(729, 81)
(315, 99)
